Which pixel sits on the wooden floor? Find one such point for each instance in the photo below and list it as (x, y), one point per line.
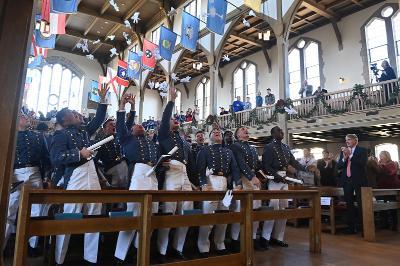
(336, 250)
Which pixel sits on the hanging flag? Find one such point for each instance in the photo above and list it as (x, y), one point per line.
(64, 6)
(46, 10)
(111, 79)
(216, 15)
(57, 23)
(122, 75)
(94, 91)
(134, 65)
(167, 43)
(35, 50)
(45, 40)
(190, 31)
(253, 4)
(36, 62)
(149, 55)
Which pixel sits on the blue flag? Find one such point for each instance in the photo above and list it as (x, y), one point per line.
(64, 6)
(167, 43)
(134, 65)
(36, 62)
(45, 41)
(190, 31)
(216, 15)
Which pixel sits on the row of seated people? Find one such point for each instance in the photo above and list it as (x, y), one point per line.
(213, 167)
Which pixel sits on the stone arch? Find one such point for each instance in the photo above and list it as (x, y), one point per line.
(67, 63)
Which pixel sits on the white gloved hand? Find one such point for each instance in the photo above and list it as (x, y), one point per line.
(209, 172)
(227, 199)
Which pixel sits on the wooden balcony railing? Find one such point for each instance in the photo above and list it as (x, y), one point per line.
(146, 222)
(377, 94)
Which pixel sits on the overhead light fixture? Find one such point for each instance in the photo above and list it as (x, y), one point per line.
(197, 65)
(341, 80)
(264, 35)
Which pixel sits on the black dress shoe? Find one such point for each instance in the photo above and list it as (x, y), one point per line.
(33, 252)
(88, 263)
(161, 258)
(235, 246)
(177, 254)
(204, 255)
(278, 243)
(221, 252)
(118, 262)
(263, 244)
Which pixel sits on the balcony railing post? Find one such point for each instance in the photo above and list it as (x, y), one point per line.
(145, 231)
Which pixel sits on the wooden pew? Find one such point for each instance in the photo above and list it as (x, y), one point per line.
(146, 222)
(331, 193)
(369, 207)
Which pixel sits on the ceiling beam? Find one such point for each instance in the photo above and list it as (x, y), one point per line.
(129, 14)
(320, 9)
(357, 2)
(89, 12)
(90, 37)
(245, 39)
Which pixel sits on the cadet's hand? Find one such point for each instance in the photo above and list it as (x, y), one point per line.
(131, 100)
(237, 188)
(166, 163)
(206, 188)
(172, 94)
(85, 153)
(256, 182)
(103, 92)
(123, 101)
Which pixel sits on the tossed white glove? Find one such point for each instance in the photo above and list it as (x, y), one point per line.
(228, 198)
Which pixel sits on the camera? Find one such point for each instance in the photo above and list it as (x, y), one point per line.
(374, 68)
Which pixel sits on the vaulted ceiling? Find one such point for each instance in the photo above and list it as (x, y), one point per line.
(96, 20)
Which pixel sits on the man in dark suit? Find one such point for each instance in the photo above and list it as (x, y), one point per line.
(352, 162)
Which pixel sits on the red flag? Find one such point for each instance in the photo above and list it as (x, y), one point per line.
(149, 57)
(57, 23)
(38, 50)
(46, 10)
(122, 73)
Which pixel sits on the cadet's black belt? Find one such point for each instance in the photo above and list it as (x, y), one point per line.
(19, 166)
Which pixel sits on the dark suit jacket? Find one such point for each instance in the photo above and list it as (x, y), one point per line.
(357, 168)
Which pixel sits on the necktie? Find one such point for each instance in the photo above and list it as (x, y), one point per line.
(348, 171)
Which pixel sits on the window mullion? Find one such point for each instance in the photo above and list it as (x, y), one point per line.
(302, 66)
(391, 44)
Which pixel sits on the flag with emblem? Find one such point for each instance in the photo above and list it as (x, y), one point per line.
(45, 40)
(122, 75)
(134, 65)
(64, 6)
(190, 31)
(167, 43)
(112, 79)
(216, 15)
(149, 55)
(253, 4)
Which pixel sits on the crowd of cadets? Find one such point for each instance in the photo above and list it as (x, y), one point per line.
(126, 162)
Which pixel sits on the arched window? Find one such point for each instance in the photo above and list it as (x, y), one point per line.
(389, 147)
(244, 82)
(382, 36)
(203, 97)
(53, 87)
(178, 102)
(304, 64)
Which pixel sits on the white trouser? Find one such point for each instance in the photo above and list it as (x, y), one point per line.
(235, 228)
(119, 175)
(31, 176)
(139, 181)
(83, 177)
(175, 179)
(217, 183)
(278, 231)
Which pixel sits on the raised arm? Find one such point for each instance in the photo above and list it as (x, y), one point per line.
(97, 120)
(131, 119)
(163, 133)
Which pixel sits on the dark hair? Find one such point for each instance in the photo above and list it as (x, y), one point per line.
(236, 131)
(198, 132)
(108, 120)
(60, 115)
(325, 151)
(274, 129)
(42, 127)
(209, 134)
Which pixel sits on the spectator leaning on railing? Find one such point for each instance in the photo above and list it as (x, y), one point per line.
(247, 104)
(223, 111)
(259, 100)
(269, 98)
(237, 105)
